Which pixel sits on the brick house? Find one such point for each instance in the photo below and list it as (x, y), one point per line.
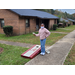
(25, 20)
(72, 22)
(66, 21)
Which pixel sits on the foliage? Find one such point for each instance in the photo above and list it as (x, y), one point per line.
(68, 24)
(8, 30)
(54, 26)
(52, 11)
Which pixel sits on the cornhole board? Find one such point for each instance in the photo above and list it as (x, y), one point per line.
(32, 52)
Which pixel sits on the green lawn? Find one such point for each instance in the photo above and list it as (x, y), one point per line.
(29, 38)
(66, 29)
(70, 59)
(11, 55)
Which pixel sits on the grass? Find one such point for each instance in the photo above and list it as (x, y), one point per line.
(66, 29)
(29, 38)
(11, 55)
(53, 38)
(70, 59)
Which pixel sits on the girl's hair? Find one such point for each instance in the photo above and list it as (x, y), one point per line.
(42, 23)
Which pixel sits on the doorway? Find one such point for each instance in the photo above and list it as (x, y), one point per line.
(46, 23)
(37, 24)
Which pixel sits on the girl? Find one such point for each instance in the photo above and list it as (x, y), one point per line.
(43, 33)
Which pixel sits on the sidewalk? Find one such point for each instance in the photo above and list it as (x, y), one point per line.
(59, 32)
(58, 54)
(16, 44)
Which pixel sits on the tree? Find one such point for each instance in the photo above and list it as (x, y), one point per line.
(65, 14)
(52, 11)
(73, 15)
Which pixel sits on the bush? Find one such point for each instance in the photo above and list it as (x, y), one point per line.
(8, 30)
(68, 25)
(63, 26)
(54, 26)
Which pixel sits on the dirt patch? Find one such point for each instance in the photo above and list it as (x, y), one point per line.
(1, 50)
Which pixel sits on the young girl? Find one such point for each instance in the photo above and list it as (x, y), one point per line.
(43, 33)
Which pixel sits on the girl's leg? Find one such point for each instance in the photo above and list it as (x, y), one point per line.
(43, 45)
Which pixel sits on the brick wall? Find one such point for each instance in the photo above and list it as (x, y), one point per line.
(17, 22)
(23, 28)
(10, 18)
(32, 24)
(27, 30)
(70, 22)
(51, 22)
(67, 24)
(22, 25)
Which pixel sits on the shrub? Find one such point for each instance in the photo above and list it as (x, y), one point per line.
(63, 26)
(68, 24)
(54, 26)
(8, 30)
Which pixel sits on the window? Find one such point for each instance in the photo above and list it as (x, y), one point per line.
(27, 22)
(1, 23)
(54, 21)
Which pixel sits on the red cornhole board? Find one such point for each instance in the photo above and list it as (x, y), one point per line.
(32, 52)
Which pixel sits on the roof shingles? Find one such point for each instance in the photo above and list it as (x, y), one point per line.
(34, 13)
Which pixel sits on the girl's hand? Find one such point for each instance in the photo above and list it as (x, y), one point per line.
(34, 34)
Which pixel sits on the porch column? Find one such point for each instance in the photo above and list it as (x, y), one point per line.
(51, 22)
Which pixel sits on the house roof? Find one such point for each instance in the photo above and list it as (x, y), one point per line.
(61, 19)
(66, 21)
(71, 20)
(34, 13)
